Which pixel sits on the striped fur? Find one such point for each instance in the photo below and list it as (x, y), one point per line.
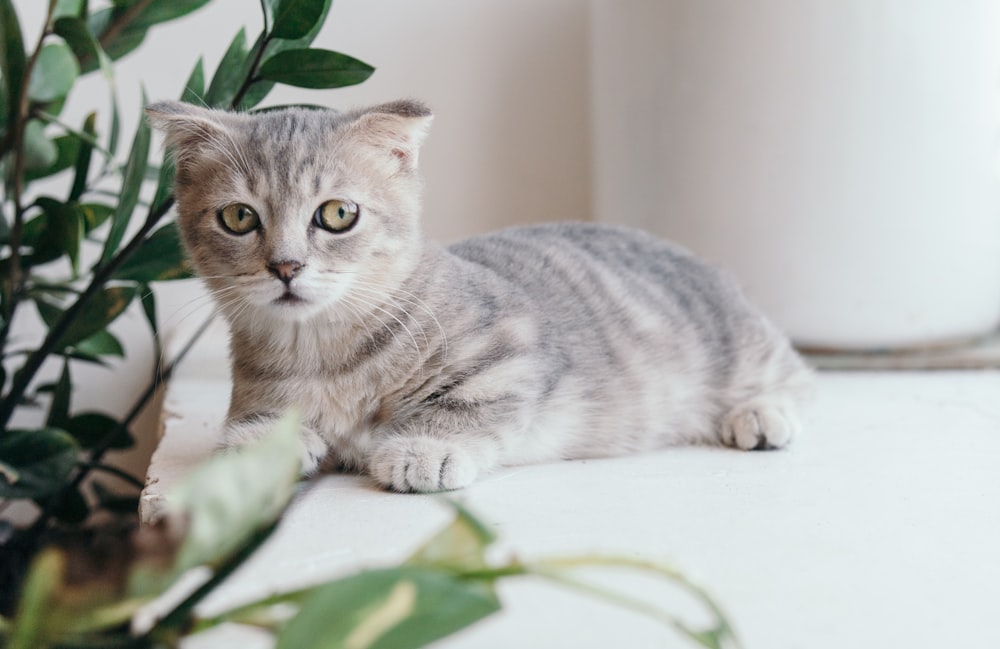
(427, 366)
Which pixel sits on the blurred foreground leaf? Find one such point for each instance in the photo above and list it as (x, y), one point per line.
(396, 608)
(227, 500)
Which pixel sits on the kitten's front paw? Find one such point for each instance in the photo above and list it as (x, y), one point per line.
(422, 464)
(313, 447)
(760, 426)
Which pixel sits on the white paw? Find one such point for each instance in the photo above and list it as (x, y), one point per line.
(760, 426)
(422, 464)
(312, 452)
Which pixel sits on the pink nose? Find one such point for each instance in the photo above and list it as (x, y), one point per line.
(284, 270)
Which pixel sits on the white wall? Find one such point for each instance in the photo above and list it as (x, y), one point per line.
(507, 80)
(838, 156)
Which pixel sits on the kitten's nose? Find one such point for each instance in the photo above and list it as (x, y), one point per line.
(284, 270)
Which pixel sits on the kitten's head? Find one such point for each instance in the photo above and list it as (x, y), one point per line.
(294, 212)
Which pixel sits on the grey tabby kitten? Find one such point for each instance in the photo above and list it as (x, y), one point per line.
(427, 366)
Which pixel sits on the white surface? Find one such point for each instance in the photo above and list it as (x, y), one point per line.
(840, 158)
(878, 528)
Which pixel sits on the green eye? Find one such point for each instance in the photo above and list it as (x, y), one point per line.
(336, 216)
(239, 218)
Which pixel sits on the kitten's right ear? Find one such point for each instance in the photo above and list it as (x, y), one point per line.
(186, 128)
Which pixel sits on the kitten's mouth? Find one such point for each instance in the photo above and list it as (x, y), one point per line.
(290, 299)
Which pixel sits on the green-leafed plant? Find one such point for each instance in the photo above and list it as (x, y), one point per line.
(224, 511)
(81, 255)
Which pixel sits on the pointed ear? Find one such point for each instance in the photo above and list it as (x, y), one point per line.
(187, 128)
(399, 128)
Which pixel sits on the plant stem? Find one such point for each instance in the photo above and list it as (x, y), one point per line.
(252, 72)
(553, 569)
(13, 287)
(115, 471)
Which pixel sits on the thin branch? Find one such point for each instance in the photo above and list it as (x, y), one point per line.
(251, 77)
(13, 287)
(115, 471)
(554, 569)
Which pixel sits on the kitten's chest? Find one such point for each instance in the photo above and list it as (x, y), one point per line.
(341, 391)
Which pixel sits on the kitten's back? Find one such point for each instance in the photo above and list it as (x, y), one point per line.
(643, 339)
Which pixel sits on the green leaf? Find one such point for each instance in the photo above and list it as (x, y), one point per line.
(135, 168)
(49, 312)
(59, 408)
(194, 87)
(82, 162)
(80, 356)
(229, 500)
(148, 299)
(94, 214)
(314, 68)
(67, 8)
(388, 609)
(54, 73)
(260, 89)
(461, 545)
(103, 343)
(63, 229)
(114, 133)
(159, 258)
(161, 11)
(118, 40)
(39, 151)
(12, 57)
(293, 19)
(67, 148)
(228, 76)
(91, 428)
(84, 46)
(97, 314)
(42, 459)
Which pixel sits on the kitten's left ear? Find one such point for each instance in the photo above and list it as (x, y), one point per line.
(399, 127)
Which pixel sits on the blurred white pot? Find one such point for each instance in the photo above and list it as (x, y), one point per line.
(837, 156)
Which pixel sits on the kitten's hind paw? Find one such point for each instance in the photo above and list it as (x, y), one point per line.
(760, 426)
(422, 464)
